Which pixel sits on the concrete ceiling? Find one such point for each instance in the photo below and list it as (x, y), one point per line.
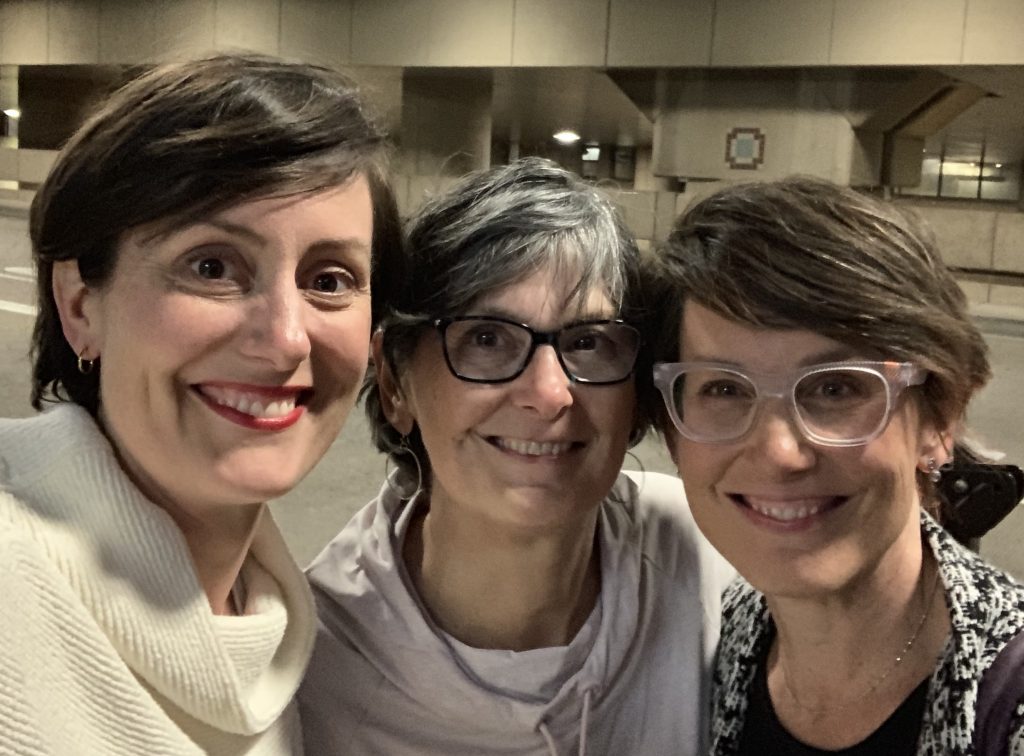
(531, 104)
(614, 107)
(995, 123)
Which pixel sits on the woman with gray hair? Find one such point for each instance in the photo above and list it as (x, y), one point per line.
(509, 591)
(822, 359)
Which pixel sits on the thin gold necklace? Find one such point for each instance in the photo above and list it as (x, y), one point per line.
(885, 675)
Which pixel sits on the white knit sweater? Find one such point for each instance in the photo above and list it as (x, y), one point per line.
(107, 641)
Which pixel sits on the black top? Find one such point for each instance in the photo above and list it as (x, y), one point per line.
(764, 735)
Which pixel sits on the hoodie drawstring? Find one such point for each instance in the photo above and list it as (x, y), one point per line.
(584, 726)
(552, 748)
(585, 722)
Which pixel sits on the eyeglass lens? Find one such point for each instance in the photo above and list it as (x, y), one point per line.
(494, 350)
(838, 404)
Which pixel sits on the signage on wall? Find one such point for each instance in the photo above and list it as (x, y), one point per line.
(744, 148)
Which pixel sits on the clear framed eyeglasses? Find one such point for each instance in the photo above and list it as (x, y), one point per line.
(484, 349)
(834, 404)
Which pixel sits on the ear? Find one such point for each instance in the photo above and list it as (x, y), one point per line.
(78, 318)
(389, 388)
(935, 449)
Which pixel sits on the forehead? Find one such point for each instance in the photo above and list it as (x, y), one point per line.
(546, 295)
(707, 336)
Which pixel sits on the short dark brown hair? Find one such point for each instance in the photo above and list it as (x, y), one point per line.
(805, 253)
(183, 141)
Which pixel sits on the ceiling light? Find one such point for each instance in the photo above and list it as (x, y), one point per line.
(999, 165)
(12, 113)
(567, 137)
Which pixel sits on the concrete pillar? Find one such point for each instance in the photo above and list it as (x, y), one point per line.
(9, 101)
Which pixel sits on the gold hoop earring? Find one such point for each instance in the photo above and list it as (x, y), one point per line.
(85, 366)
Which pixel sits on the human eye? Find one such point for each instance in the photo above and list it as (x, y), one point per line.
(587, 341)
(840, 386)
(722, 388)
(210, 268)
(330, 284)
(597, 339)
(213, 270)
(485, 336)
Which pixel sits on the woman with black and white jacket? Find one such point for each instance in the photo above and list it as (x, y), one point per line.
(822, 360)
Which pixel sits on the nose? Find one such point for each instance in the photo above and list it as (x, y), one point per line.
(277, 328)
(776, 439)
(544, 386)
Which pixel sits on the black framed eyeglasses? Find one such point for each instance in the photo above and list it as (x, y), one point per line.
(485, 349)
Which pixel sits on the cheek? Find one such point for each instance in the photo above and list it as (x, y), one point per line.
(701, 467)
(343, 344)
(612, 408)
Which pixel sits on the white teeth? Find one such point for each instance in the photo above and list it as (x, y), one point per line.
(249, 404)
(785, 514)
(534, 448)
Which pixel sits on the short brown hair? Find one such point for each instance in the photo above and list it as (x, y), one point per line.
(183, 141)
(805, 253)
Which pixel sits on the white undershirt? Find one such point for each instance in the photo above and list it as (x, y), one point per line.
(537, 674)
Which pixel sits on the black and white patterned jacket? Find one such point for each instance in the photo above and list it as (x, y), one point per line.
(986, 609)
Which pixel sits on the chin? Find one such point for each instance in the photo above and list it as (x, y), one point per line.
(260, 484)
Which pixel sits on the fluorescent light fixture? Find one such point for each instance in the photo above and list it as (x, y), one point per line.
(999, 165)
(12, 112)
(567, 137)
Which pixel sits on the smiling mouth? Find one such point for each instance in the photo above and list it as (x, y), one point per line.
(271, 404)
(533, 448)
(789, 510)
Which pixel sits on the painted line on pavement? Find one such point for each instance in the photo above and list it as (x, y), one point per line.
(17, 307)
(16, 277)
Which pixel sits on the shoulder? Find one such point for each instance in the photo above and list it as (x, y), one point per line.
(669, 540)
(986, 603)
(745, 619)
(986, 610)
(655, 504)
(39, 606)
(361, 550)
(745, 629)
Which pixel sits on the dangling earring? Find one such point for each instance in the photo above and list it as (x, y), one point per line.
(639, 462)
(85, 366)
(933, 472)
(641, 479)
(404, 448)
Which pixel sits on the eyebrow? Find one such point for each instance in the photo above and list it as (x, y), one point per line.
(331, 244)
(495, 311)
(835, 354)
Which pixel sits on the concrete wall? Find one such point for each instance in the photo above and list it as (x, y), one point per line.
(981, 236)
(522, 32)
(795, 124)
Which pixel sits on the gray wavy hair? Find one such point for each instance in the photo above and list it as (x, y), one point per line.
(492, 229)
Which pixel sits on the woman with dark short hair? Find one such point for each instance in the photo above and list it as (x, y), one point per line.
(509, 591)
(204, 248)
(821, 362)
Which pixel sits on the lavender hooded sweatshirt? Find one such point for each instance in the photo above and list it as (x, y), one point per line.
(385, 680)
